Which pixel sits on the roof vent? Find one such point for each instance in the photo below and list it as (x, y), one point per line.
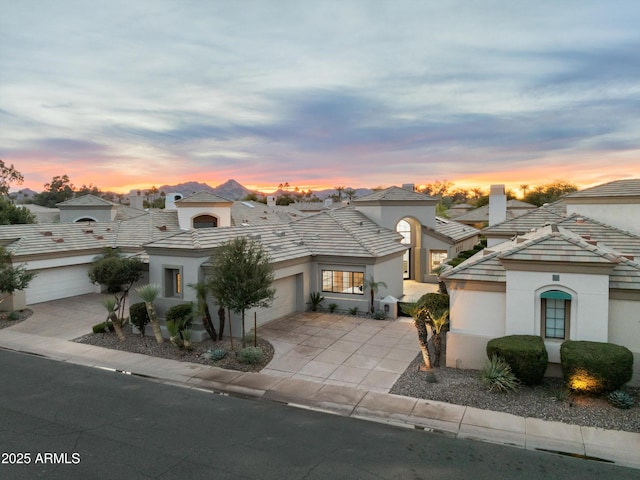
(579, 220)
(47, 234)
(99, 237)
(280, 233)
(586, 237)
(628, 257)
(88, 231)
(592, 242)
(58, 240)
(162, 228)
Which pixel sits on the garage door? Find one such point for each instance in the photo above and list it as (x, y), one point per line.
(62, 282)
(285, 299)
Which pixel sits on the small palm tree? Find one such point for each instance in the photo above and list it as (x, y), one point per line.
(111, 304)
(419, 315)
(373, 287)
(438, 321)
(203, 309)
(148, 293)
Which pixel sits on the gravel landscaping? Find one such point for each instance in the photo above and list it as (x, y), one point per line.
(9, 319)
(549, 401)
(147, 346)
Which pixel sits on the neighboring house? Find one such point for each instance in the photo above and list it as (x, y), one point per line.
(389, 235)
(479, 217)
(562, 271)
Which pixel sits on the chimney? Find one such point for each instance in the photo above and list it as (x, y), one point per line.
(409, 186)
(497, 205)
(136, 201)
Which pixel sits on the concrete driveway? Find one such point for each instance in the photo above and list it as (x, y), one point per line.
(331, 349)
(341, 350)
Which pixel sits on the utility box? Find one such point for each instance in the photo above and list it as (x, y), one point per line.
(389, 305)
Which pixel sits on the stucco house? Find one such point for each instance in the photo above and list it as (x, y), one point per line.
(569, 270)
(390, 235)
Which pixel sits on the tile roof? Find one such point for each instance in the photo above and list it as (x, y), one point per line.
(531, 220)
(557, 244)
(396, 194)
(340, 232)
(453, 230)
(618, 188)
(68, 238)
(256, 213)
(515, 208)
(202, 197)
(86, 201)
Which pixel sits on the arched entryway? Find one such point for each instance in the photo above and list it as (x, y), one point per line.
(410, 229)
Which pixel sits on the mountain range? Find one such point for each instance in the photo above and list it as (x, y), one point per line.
(233, 190)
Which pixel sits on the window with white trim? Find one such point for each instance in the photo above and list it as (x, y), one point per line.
(336, 281)
(556, 311)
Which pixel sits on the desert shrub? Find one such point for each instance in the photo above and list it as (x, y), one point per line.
(215, 354)
(332, 307)
(139, 315)
(353, 311)
(103, 327)
(525, 354)
(595, 367)
(497, 374)
(181, 315)
(379, 315)
(13, 316)
(251, 355)
(315, 300)
(620, 399)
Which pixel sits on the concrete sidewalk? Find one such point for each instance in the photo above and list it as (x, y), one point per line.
(455, 420)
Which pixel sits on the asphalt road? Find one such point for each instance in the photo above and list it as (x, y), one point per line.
(69, 422)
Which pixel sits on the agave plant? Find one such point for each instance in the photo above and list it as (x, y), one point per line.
(620, 399)
(497, 374)
(148, 293)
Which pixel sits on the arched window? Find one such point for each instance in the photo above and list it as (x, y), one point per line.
(205, 221)
(404, 229)
(556, 312)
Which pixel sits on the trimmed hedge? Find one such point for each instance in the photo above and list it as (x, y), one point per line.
(139, 316)
(595, 367)
(525, 354)
(103, 327)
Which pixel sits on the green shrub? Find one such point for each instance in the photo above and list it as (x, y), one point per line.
(353, 311)
(13, 316)
(103, 327)
(332, 307)
(379, 315)
(434, 302)
(251, 355)
(497, 374)
(525, 354)
(181, 315)
(315, 300)
(595, 367)
(139, 315)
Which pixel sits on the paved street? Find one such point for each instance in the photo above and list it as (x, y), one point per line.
(124, 427)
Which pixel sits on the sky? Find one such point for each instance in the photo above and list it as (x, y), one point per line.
(320, 93)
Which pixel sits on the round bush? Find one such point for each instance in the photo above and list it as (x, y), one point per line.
(139, 315)
(595, 367)
(526, 355)
(251, 355)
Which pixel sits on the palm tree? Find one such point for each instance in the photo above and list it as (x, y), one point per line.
(203, 309)
(373, 287)
(524, 187)
(438, 320)
(419, 315)
(111, 304)
(148, 293)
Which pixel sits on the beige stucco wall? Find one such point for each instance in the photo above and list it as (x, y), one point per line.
(186, 214)
(621, 215)
(624, 329)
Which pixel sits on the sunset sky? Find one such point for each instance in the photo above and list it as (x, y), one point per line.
(129, 94)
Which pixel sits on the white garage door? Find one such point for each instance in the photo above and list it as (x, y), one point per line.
(61, 282)
(285, 299)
